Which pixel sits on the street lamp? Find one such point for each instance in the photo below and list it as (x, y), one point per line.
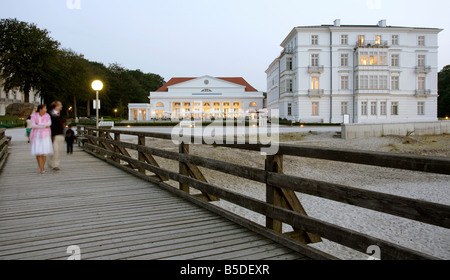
(115, 113)
(97, 86)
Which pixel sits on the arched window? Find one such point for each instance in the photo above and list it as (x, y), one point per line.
(206, 90)
(253, 104)
(160, 104)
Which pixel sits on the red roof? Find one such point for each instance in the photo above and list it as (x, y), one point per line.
(236, 80)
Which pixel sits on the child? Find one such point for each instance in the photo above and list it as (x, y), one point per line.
(70, 138)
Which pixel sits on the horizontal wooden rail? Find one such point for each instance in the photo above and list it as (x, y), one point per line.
(4, 141)
(406, 162)
(419, 210)
(282, 205)
(329, 231)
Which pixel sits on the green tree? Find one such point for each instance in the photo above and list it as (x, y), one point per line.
(76, 80)
(27, 54)
(444, 92)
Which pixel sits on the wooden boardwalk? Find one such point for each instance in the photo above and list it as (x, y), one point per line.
(111, 214)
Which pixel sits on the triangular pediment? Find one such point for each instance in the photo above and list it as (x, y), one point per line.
(206, 82)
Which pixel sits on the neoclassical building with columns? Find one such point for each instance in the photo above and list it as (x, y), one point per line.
(202, 98)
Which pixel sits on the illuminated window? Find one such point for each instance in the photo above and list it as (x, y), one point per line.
(378, 40)
(361, 40)
(315, 83)
(253, 104)
(373, 58)
(364, 58)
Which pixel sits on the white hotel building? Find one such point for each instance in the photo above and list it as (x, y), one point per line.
(369, 74)
(203, 98)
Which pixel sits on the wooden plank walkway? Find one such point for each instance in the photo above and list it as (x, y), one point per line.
(111, 214)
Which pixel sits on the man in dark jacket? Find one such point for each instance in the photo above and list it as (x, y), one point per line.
(58, 137)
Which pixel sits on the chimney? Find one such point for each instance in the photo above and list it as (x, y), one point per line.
(337, 23)
(382, 23)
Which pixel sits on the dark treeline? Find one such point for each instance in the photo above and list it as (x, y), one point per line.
(444, 92)
(31, 59)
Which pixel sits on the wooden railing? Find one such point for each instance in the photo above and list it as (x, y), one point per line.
(4, 142)
(281, 204)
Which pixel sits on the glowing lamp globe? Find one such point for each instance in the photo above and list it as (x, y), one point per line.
(97, 85)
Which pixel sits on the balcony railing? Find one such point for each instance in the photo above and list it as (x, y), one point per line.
(423, 92)
(287, 51)
(372, 44)
(423, 69)
(315, 69)
(316, 92)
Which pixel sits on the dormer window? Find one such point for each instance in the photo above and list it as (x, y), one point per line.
(206, 90)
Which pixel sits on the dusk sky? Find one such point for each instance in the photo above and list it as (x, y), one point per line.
(180, 38)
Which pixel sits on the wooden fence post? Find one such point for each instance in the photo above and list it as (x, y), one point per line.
(183, 168)
(141, 156)
(287, 199)
(116, 148)
(274, 163)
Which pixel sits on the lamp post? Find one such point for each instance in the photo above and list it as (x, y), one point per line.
(97, 86)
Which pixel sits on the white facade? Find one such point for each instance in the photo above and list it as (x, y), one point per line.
(15, 96)
(374, 74)
(203, 98)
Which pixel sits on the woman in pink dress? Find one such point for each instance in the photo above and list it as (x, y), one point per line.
(41, 136)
